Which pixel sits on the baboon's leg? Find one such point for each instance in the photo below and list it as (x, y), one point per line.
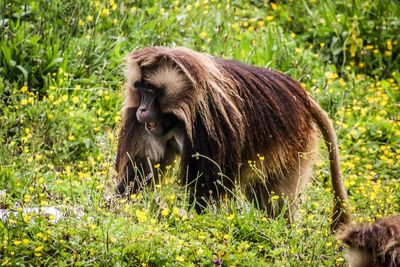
(287, 186)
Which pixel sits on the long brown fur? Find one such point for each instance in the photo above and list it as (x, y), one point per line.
(376, 244)
(230, 113)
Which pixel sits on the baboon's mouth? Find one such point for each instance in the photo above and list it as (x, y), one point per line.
(151, 126)
(162, 126)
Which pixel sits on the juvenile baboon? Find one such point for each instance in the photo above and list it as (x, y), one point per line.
(373, 245)
(218, 115)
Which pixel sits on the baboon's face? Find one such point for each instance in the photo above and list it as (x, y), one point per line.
(156, 92)
(149, 112)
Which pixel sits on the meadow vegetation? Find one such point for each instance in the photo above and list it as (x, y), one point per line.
(61, 84)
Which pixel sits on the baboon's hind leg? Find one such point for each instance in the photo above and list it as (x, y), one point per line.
(286, 187)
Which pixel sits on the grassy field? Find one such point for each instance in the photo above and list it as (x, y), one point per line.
(61, 83)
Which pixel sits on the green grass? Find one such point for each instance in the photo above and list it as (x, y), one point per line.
(61, 65)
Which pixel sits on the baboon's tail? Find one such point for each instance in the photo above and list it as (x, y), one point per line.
(341, 213)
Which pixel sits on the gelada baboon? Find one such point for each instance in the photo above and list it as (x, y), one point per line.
(218, 115)
(373, 245)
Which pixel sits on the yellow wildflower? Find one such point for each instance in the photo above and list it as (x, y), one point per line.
(64, 98)
(105, 12)
(180, 258)
(230, 217)
(165, 212)
(175, 211)
(203, 35)
(388, 53)
(27, 198)
(389, 44)
(24, 89)
(141, 216)
(39, 248)
(275, 197)
(269, 18)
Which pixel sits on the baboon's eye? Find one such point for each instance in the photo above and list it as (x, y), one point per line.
(151, 91)
(137, 84)
(146, 88)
